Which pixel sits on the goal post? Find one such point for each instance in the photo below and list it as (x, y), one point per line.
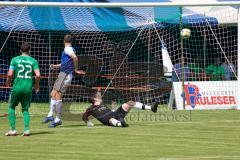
(238, 60)
(131, 51)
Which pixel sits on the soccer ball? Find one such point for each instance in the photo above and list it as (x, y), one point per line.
(185, 33)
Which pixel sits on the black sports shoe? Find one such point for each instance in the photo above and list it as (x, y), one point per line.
(123, 122)
(154, 107)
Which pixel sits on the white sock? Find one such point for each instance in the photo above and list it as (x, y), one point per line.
(141, 106)
(57, 119)
(59, 110)
(115, 122)
(52, 107)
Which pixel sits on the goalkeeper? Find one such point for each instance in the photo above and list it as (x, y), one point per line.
(107, 117)
(22, 67)
(69, 64)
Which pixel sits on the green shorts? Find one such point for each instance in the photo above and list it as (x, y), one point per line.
(20, 96)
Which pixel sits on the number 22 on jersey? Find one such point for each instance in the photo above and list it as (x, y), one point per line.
(24, 71)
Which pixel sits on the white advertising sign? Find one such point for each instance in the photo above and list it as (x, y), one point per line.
(206, 95)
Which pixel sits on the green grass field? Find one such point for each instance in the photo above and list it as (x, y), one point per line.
(168, 135)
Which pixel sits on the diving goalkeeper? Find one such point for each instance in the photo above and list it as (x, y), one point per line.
(112, 118)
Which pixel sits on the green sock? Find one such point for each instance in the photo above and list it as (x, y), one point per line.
(12, 118)
(26, 119)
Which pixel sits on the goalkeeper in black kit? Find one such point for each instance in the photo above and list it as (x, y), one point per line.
(112, 118)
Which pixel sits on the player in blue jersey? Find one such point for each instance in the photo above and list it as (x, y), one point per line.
(68, 65)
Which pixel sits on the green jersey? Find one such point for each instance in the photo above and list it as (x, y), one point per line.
(24, 67)
(215, 72)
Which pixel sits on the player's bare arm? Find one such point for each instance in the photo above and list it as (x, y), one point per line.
(55, 66)
(9, 77)
(37, 80)
(75, 61)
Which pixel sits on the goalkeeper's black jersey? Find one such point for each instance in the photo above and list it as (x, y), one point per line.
(100, 112)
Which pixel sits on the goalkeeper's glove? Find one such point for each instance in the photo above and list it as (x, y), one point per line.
(90, 124)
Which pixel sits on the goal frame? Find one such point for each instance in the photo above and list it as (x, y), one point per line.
(118, 4)
(140, 4)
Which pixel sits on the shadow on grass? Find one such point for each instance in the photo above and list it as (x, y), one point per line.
(80, 125)
(41, 133)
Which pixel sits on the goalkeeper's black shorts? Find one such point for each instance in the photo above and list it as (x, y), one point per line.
(118, 114)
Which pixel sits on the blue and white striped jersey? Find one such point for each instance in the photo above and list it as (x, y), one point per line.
(67, 65)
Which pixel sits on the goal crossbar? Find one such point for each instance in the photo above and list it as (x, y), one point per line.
(114, 4)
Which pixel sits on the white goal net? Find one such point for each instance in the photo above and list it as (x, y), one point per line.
(129, 53)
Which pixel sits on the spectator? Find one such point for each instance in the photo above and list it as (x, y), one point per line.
(215, 71)
(177, 72)
(229, 68)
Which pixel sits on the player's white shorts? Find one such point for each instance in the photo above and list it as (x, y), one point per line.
(62, 82)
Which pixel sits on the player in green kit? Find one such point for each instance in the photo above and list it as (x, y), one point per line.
(22, 69)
